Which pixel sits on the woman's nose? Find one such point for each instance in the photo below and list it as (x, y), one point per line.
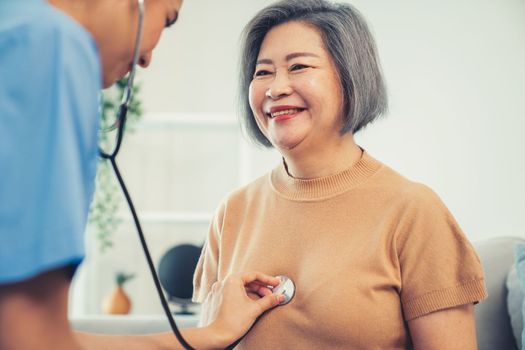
(279, 87)
(145, 60)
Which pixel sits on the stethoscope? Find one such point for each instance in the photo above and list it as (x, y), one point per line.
(286, 287)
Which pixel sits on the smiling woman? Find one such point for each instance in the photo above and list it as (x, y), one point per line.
(378, 261)
(300, 64)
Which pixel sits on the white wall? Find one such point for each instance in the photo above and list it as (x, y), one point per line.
(455, 72)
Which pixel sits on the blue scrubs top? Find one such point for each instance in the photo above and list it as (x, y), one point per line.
(50, 80)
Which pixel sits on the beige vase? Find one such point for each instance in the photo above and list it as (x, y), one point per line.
(118, 302)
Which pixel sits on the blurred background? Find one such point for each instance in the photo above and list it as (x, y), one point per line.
(455, 72)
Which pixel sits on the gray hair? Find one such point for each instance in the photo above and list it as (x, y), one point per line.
(346, 37)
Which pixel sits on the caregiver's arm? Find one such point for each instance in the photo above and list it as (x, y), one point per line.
(33, 313)
(453, 328)
(228, 305)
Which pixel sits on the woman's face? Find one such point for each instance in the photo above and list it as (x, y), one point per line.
(116, 39)
(295, 93)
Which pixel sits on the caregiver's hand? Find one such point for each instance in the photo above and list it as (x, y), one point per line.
(230, 311)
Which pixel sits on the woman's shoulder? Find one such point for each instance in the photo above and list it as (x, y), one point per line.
(391, 183)
(249, 191)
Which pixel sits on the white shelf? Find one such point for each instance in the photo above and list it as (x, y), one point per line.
(130, 324)
(162, 121)
(166, 223)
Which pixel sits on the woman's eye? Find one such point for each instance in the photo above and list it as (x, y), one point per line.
(261, 73)
(298, 66)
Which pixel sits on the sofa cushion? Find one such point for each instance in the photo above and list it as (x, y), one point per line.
(519, 253)
(492, 319)
(515, 304)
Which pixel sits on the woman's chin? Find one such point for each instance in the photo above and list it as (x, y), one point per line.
(289, 136)
(287, 144)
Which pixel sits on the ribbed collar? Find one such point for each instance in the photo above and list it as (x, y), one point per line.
(323, 187)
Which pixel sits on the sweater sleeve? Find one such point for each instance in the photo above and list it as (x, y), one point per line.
(206, 272)
(439, 267)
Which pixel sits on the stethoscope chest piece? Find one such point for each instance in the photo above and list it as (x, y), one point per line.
(286, 287)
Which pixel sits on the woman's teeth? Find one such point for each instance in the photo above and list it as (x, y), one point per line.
(286, 111)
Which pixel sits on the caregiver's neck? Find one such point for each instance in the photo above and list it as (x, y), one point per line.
(322, 160)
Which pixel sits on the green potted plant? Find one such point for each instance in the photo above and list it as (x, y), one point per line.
(107, 198)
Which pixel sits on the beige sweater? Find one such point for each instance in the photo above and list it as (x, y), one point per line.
(367, 249)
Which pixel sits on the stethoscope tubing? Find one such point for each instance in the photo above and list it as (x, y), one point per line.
(112, 158)
(120, 126)
(147, 254)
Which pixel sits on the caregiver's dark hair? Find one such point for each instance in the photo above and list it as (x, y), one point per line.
(348, 40)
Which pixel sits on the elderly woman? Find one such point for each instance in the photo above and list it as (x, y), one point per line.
(378, 260)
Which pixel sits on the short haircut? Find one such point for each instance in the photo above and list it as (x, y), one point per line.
(347, 39)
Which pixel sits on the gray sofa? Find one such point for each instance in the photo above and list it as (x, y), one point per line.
(494, 330)
(492, 320)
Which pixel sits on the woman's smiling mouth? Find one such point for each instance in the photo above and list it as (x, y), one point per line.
(279, 113)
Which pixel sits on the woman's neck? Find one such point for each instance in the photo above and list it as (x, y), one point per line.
(323, 161)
